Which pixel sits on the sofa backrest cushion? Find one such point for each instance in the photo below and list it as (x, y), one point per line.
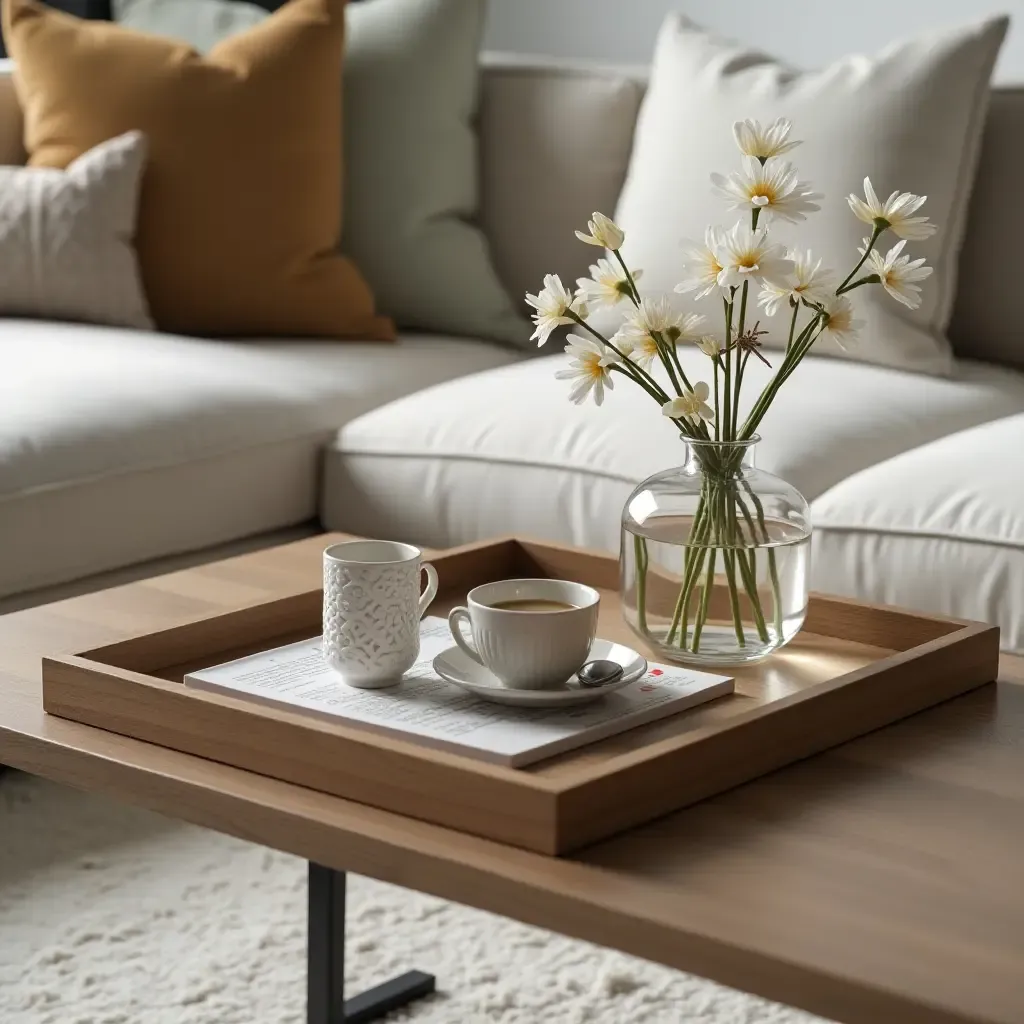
(556, 142)
(554, 145)
(987, 321)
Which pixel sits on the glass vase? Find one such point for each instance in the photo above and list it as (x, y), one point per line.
(715, 558)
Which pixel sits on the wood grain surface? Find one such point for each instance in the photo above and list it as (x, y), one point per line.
(878, 882)
(827, 689)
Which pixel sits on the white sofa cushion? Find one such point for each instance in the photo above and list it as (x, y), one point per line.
(940, 528)
(505, 451)
(554, 144)
(910, 116)
(118, 446)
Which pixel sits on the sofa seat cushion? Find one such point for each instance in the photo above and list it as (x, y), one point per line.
(118, 445)
(506, 451)
(940, 528)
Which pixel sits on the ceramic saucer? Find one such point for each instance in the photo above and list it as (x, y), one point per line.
(457, 667)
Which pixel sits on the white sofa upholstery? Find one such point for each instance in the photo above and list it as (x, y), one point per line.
(505, 452)
(118, 447)
(940, 527)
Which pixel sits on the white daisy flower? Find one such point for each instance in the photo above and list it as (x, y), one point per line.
(635, 337)
(710, 345)
(552, 303)
(809, 282)
(894, 213)
(603, 232)
(842, 326)
(766, 142)
(700, 265)
(589, 368)
(692, 406)
(607, 284)
(898, 273)
(770, 186)
(747, 255)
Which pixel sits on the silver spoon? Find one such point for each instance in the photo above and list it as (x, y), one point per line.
(599, 673)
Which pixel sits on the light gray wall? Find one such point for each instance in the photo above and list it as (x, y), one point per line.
(805, 32)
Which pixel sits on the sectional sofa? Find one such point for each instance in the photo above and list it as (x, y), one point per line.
(118, 448)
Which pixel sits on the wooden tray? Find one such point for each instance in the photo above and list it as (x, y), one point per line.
(854, 668)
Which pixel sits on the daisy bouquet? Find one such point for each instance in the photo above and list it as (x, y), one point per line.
(739, 269)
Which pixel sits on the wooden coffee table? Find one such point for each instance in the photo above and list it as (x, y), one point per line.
(880, 883)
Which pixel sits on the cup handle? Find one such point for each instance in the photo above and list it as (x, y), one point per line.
(455, 616)
(430, 593)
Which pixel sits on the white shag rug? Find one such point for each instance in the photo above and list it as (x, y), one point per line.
(114, 915)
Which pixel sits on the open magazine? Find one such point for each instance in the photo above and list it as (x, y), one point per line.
(425, 708)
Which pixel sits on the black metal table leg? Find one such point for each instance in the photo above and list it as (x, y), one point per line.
(326, 1002)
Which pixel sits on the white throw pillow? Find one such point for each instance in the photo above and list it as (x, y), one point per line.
(66, 238)
(910, 118)
(411, 188)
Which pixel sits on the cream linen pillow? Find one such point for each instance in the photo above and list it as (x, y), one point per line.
(910, 117)
(66, 237)
(411, 165)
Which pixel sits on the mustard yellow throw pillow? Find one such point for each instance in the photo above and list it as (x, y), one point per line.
(240, 211)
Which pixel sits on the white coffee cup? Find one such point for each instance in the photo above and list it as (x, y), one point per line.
(528, 650)
(372, 609)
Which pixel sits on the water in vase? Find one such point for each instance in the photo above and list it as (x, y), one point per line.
(667, 601)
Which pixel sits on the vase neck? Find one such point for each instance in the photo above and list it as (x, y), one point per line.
(733, 456)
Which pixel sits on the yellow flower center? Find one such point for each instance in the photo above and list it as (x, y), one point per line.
(764, 191)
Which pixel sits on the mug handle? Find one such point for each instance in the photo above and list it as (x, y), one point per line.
(455, 616)
(430, 593)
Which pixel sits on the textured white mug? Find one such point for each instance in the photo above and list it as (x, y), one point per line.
(372, 609)
(528, 650)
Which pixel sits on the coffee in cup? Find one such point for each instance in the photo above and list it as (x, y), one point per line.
(531, 634)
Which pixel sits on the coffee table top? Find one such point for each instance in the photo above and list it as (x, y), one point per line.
(881, 881)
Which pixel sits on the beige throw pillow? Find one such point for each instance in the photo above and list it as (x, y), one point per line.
(909, 117)
(66, 237)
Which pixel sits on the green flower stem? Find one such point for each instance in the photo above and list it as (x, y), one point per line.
(674, 352)
(663, 355)
(748, 569)
(638, 380)
(740, 361)
(870, 279)
(792, 359)
(749, 575)
(717, 427)
(741, 366)
(636, 372)
(792, 326)
(729, 558)
(727, 390)
(686, 592)
(641, 556)
(867, 251)
(697, 531)
(629, 278)
(702, 611)
(773, 569)
(743, 308)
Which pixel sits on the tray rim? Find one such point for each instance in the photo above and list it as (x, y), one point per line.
(543, 795)
(92, 660)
